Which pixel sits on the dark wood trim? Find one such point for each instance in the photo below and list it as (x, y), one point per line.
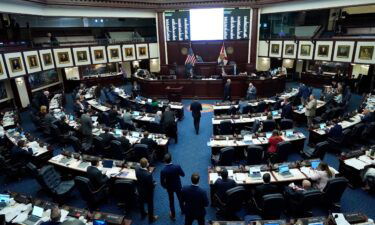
(16, 95)
(161, 38)
(254, 37)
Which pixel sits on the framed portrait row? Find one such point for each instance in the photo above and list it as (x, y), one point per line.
(338, 51)
(19, 63)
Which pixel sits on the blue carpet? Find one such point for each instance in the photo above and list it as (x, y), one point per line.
(193, 154)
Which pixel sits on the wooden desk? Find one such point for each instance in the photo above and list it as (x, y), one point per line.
(213, 89)
(299, 114)
(318, 81)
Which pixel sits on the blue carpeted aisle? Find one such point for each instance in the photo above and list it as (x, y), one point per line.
(193, 154)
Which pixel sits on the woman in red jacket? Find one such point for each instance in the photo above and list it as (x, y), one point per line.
(273, 141)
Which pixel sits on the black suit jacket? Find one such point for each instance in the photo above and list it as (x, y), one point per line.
(107, 138)
(18, 154)
(227, 91)
(63, 126)
(77, 108)
(170, 177)
(221, 186)
(196, 109)
(287, 111)
(264, 189)
(125, 143)
(149, 142)
(195, 200)
(97, 179)
(145, 183)
(168, 118)
(44, 100)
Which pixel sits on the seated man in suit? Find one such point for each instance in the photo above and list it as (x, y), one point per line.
(222, 185)
(20, 153)
(336, 131)
(63, 125)
(294, 194)
(107, 137)
(54, 218)
(286, 110)
(264, 189)
(168, 121)
(79, 108)
(125, 143)
(97, 179)
(113, 113)
(151, 144)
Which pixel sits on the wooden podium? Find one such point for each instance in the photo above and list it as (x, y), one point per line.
(174, 93)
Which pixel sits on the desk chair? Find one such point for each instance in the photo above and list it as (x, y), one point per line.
(247, 109)
(286, 124)
(104, 118)
(125, 193)
(273, 206)
(77, 146)
(269, 125)
(11, 170)
(58, 136)
(333, 191)
(356, 133)
(261, 107)
(226, 127)
(318, 152)
(126, 126)
(310, 199)
(254, 155)
(282, 152)
(51, 181)
(98, 146)
(338, 144)
(226, 156)
(117, 151)
(368, 133)
(235, 198)
(141, 151)
(91, 196)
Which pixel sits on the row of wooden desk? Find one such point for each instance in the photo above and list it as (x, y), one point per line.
(213, 88)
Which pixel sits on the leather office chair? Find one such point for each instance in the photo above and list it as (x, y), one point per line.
(226, 156)
(126, 126)
(357, 132)
(333, 191)
(33, 170)
(247, 109)
(261, 107)
(77, 146)
(91, 196)
(116, 150)
(368, 133)
(226, 127)
(98, 146)
(310, 199)
(232, 110)
(269, 125)
(286, 124)
(11, 170)
(273, 206)
(36, 121)
(235, 198)
(255, 155)
(51, 181)
(141, 151)
(149, 108)
(282, 152)
(318, 152)
(338, 144)
(57, 135)
(125, 193)
(104, 118)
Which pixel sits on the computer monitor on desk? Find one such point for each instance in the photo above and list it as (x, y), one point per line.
(275, 113)
(322, 126)
(268, 135)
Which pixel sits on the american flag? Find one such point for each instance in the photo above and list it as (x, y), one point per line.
(190, 59)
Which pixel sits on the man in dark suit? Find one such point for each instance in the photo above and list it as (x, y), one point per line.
(151, 144)
(227, 90)
(97, 179)
(195, 200)
(86, 127)
(20, 153)
(44, 100)
(125, 143)
(146, 186)
(63, 125)
(336, 131)
(107, 137)
(196, 109)
(168, 121)
(170, 180)
(287, 110)
(222, 185)
(79, 108)
(264, 189)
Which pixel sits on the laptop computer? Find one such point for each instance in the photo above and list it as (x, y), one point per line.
(149, 100)
(94, 119)
(107, 163)
(71, 117)
(322, 126)
(118, 132)
(136, 113)
(99, 222)
(4, 200)
(300, 107)
(36, 215)
(275, 113)
(268, 134)
(315, 164)
(254, 172)
(317, 223)
(289, 133)
(284, 170)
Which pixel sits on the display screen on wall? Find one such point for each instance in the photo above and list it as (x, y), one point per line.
(43, 78)
(177, 26)
(3, 91)
(236, 24)
(98, 69)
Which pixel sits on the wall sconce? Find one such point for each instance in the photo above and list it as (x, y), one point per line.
(19, 81)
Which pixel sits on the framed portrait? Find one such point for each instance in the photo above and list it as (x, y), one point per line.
(98, 54)
(81, 56)
(290, 49)
(46, 59)
(32, 61)
(114, 53)
(275, 49)
(365, 52)
(153, 49)
(142, 51)
(305, 50)
(263, 48)
(323, 50)
(3, 73)
(343, 51)
(128, 52)
(15, 64)
(63, 57)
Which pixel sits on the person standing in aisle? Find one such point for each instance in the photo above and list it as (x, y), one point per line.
(196, 109)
